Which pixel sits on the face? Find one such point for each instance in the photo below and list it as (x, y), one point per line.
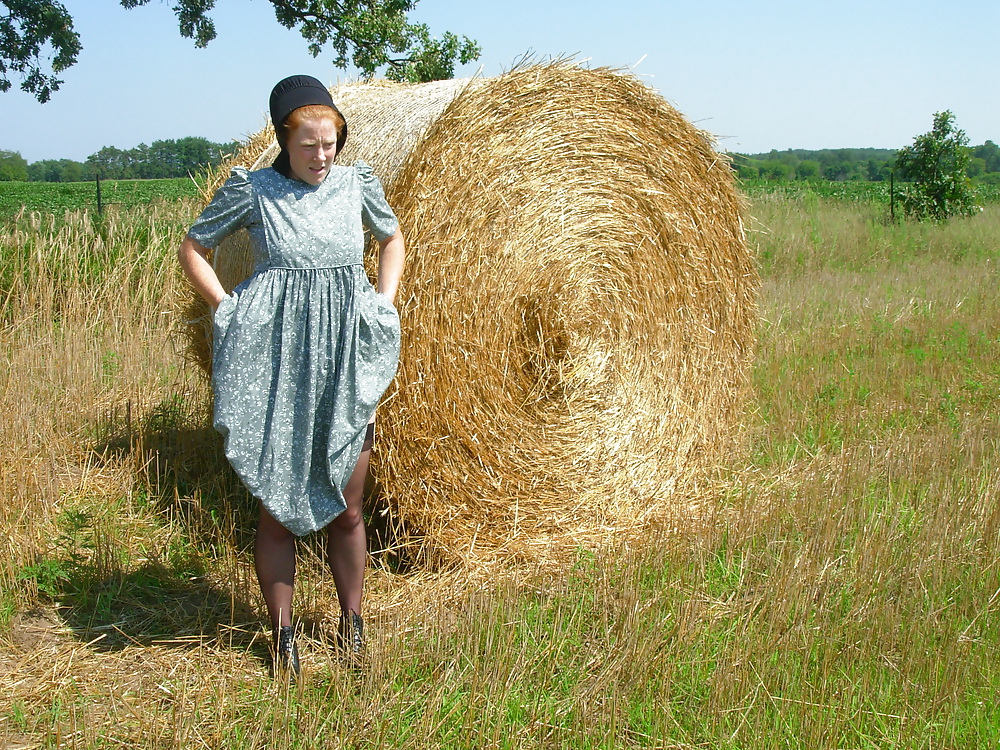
(311, 148)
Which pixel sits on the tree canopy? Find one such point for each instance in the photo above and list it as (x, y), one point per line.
(369, 34)
(936, 162)
(26, 30)
(13, 167)
(167, 158)
(840, 164)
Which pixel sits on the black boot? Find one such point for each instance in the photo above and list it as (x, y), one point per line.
(351, 637)
(286, 652)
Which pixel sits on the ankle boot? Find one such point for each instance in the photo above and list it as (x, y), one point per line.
(351, 635)
(286, 652)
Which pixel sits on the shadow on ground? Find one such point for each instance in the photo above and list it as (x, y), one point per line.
(181, 475)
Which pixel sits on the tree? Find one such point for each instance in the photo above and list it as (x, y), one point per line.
(989, 152)
(13, 167)
(837, 171)
(110, 163)
(369, 34)
(976, 168)
(168, 158)
(874, 171)
(72, 171)
(807, 169)
(57, 170)
(937, 163)
(776, 170)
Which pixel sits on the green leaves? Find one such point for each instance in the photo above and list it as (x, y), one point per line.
(192, 19)
(937, 163)
(368, 34)
(27, 28)
(371, 34)
(434, 59)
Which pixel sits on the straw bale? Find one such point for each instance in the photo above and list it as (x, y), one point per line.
(578, 311)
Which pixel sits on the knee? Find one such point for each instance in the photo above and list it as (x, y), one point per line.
(271, 531)
(349, 519)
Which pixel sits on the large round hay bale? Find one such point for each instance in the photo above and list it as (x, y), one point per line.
(578, 310)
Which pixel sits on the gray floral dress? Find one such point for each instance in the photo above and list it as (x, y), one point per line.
(305, 347)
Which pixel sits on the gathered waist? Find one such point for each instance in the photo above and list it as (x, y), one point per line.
(271, 267)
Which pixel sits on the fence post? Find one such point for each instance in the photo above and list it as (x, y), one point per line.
(100, 204)
(892, 196)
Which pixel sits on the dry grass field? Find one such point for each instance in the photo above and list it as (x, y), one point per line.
(846, 593)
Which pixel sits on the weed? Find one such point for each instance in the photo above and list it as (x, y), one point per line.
(49, 576)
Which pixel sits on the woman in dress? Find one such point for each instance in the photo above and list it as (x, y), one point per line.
(304, 348)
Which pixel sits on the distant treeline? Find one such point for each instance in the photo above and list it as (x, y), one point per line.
(160, 159)
(186, 156)
(838, 165)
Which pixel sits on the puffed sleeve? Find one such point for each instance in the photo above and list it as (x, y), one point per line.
(231, 208)
(375, 211)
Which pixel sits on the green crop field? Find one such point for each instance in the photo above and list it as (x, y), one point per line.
(56, 197)
(855, 191)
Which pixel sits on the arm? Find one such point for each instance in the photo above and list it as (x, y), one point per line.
(194, 260)
(391, 257)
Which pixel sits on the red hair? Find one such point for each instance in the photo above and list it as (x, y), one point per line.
(310, 112)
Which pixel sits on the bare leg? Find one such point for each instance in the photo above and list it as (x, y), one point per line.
(274, 559)
(347, 541)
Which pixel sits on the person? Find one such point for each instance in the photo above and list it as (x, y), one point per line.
(303, 349)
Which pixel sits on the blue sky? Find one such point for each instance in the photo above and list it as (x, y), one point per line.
(758, 75)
